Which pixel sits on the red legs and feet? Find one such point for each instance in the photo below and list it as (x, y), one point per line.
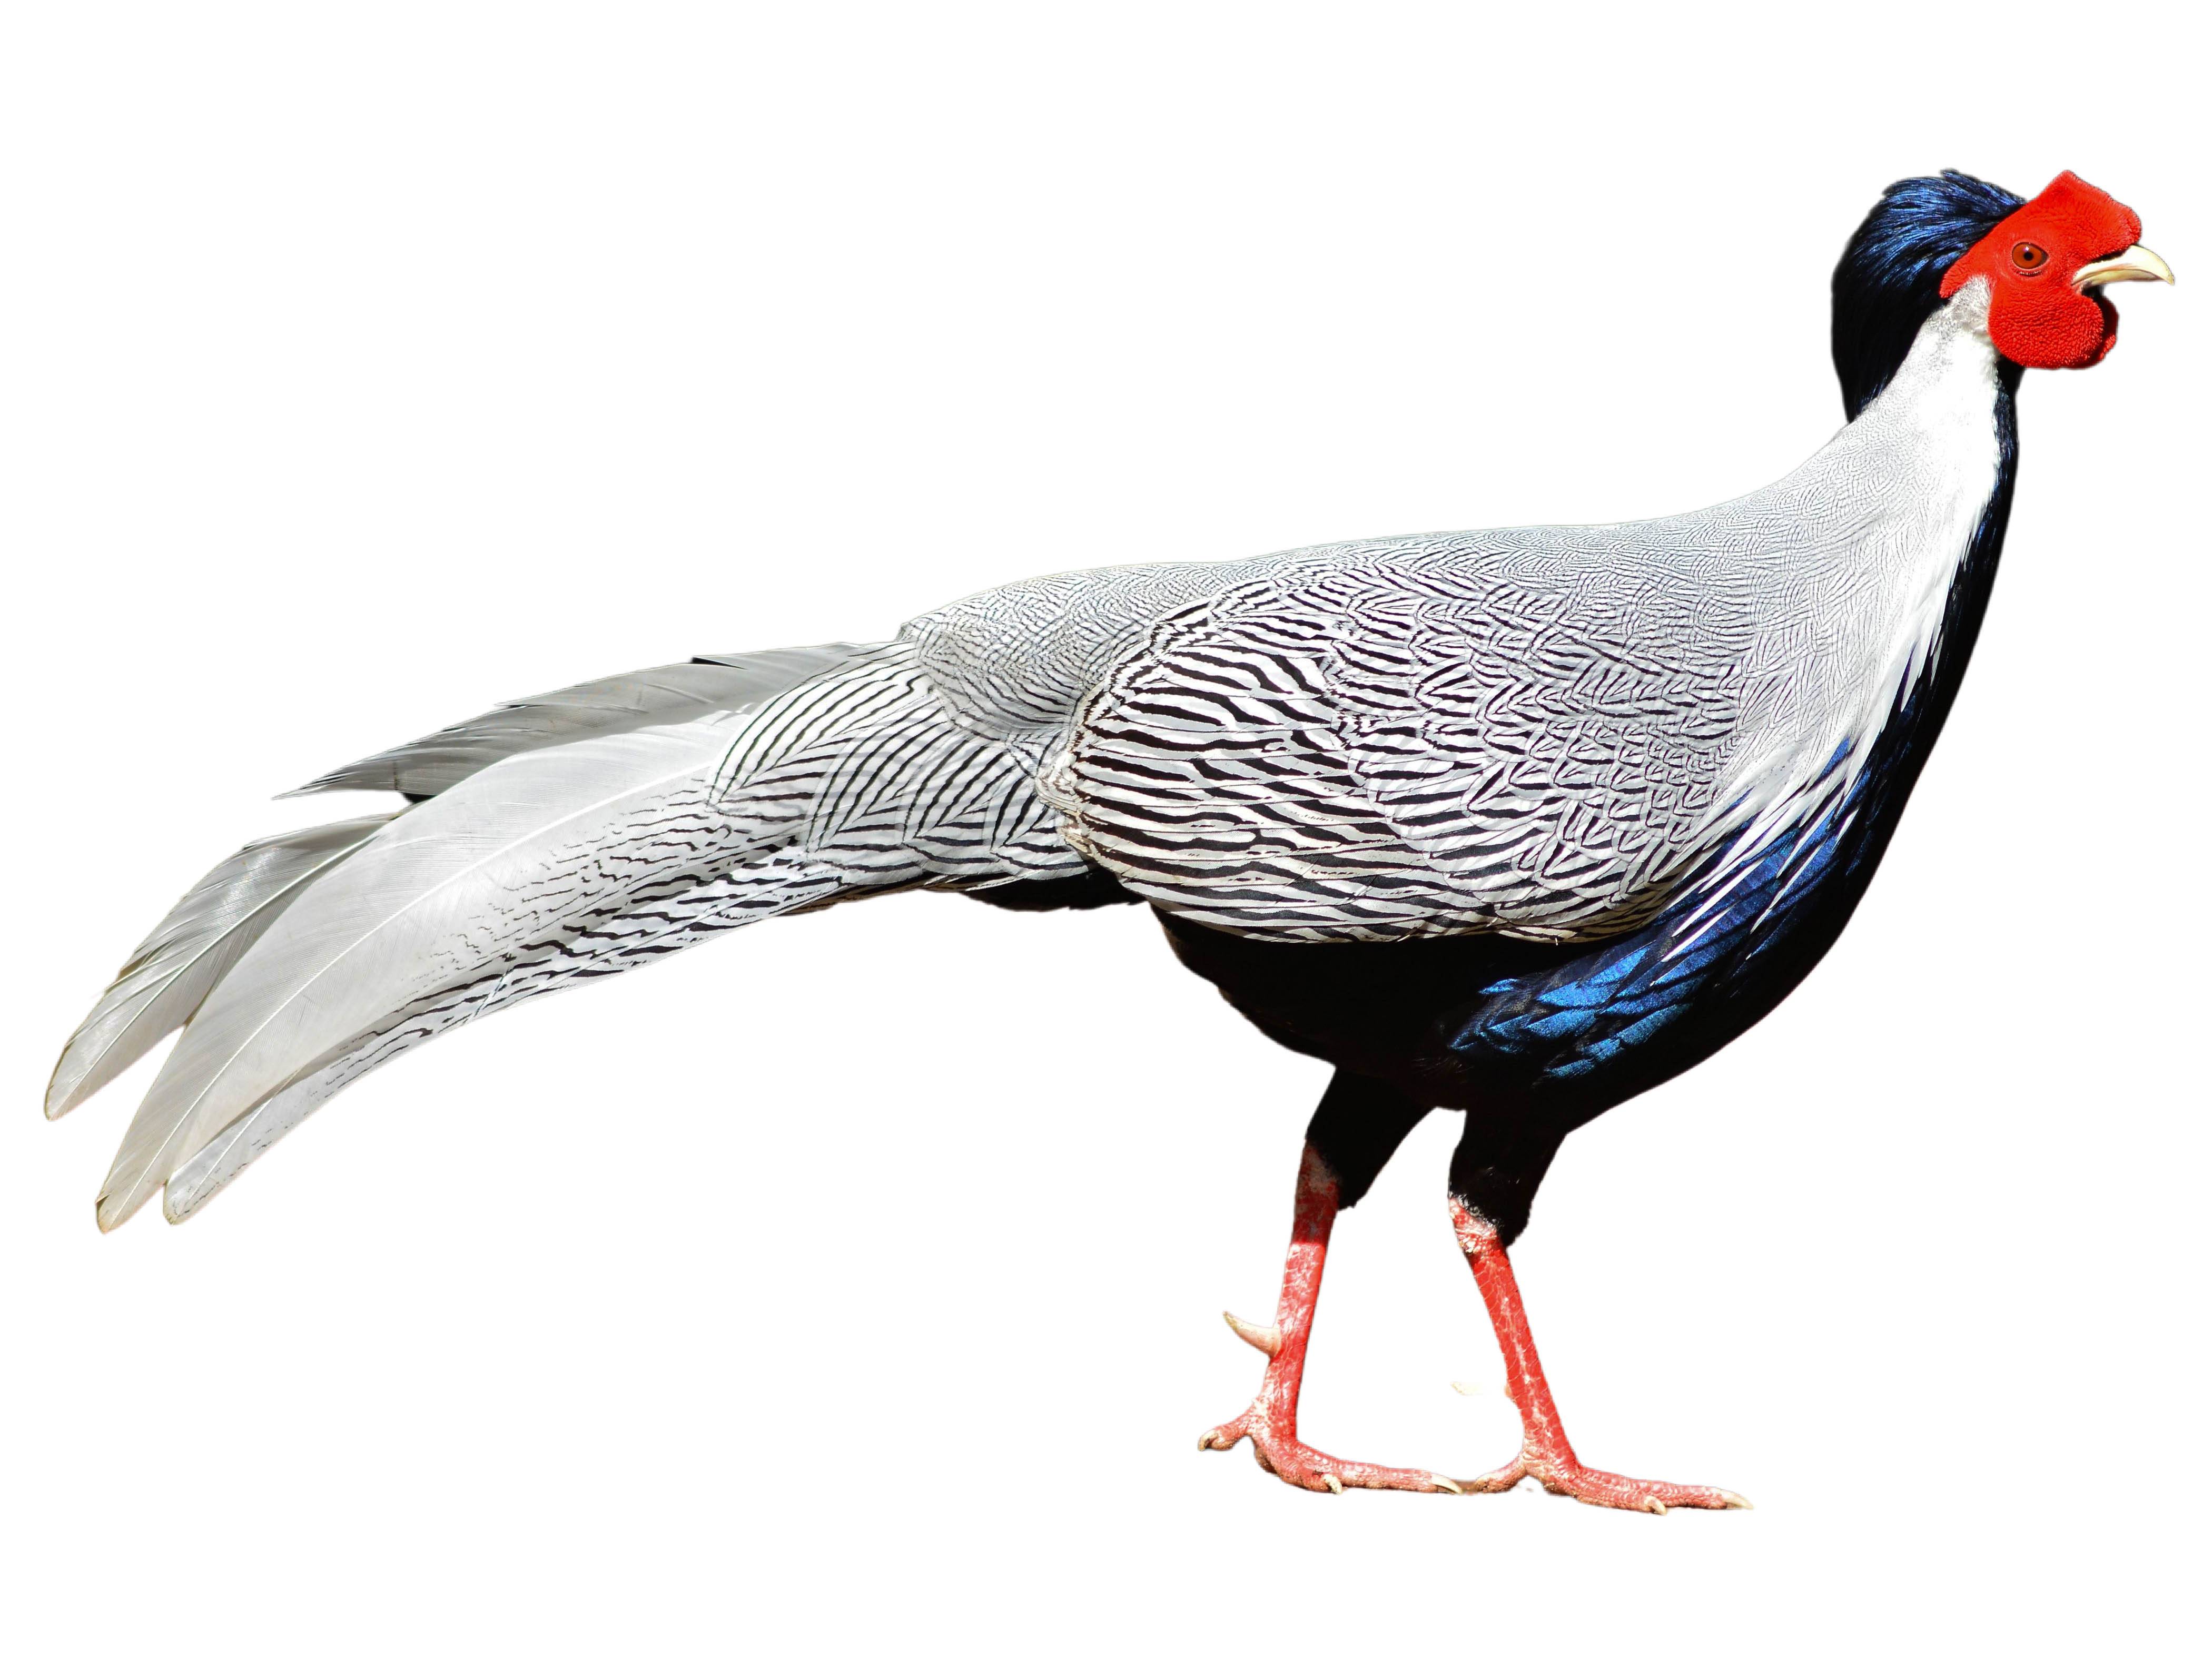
(1544, 1453)
(1270, 1421)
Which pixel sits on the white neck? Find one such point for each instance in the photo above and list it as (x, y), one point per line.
(1899, 492)
(1931, 438)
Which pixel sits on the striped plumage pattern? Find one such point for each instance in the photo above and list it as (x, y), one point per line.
(1534, 732)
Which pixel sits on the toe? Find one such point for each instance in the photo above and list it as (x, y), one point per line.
(1224, 1436)
(1652, 1496)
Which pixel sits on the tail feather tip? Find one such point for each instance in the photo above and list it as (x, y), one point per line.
(112, 1209)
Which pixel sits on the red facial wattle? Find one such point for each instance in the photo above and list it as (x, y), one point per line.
(2041, 314)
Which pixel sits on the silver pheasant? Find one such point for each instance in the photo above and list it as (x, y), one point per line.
(1515, 824)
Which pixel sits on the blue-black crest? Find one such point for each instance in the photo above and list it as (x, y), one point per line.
(1885, 285)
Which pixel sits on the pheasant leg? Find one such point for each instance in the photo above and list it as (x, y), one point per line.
(1270, 1421)
(1544, 1454)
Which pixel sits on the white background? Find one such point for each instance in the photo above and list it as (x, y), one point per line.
(856, 1284)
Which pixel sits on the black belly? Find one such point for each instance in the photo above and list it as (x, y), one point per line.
(1384, 1010)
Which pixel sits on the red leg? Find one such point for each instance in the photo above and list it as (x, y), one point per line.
(1271, 1422)
(1545, 1452)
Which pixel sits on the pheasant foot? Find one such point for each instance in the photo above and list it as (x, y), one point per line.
(1282, 1455)
(1569, 1478)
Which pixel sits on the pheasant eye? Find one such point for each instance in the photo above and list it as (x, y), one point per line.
(2029, 255)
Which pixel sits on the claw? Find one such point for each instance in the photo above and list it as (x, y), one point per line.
(1734, 1500)
(1454, 1487)
(1268, 1339)
(1333, 1484)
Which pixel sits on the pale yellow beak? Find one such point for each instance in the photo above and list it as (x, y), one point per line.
(2138, 265)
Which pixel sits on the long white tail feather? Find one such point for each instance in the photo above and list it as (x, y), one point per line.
(685, 914)
(575, 861)
(455, 879)
(622, 703)
(173, 970)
